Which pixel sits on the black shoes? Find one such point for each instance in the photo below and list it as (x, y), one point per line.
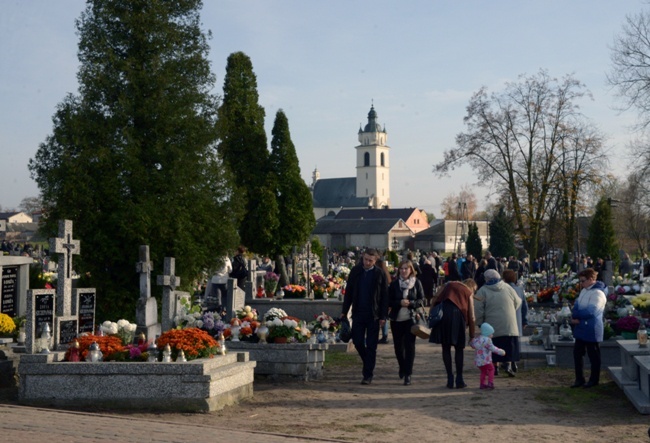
(407, 380)
(383, 341)
(578, 384)
(460, 385)
(366, 381)
(401, 374)
(590, 384)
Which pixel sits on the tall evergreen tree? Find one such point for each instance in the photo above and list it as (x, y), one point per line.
(502, 237)
(243, 147)
(474, 245)
(291, 192)
(132, 157)
(601, 241)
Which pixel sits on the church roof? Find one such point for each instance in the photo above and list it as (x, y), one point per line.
(337, 193)
(372, 125)
(403, 213)
(375, 226)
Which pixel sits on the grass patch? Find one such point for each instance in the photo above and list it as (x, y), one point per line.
(340, 359)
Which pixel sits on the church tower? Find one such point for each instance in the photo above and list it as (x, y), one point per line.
(373, 166)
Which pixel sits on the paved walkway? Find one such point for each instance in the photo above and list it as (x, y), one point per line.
(26, 425)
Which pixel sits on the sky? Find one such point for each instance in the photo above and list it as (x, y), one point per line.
(326, 63)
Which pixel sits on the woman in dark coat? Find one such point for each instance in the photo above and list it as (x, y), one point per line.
(405, 293)
(458, 315)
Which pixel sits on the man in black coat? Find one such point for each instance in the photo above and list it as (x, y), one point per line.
(367, 293)
(468, 268)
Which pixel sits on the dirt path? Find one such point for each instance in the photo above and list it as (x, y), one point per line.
(536, 406)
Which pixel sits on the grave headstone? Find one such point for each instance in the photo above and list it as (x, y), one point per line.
(65, 331)
(146, 312)
(325, 260)
(41, 305)
(169, 282)
(66, 247)
(236, 298)
(14, 284)
(84, 303)
(9, 290)
(608, 273)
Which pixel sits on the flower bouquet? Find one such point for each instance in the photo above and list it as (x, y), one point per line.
(274, 313)
(641, 302)
(282, 329)
(628, 326)
(7, 325)
(212, 323)
(294, 291)
(271, 283)
(194, 342)
(110, 345)
(324, 322)
(123, 329)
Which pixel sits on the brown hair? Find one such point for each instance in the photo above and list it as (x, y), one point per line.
(509, 276)
(471, 284)
(408, 263)
(588, 273)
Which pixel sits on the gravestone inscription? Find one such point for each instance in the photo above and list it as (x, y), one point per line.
(67, 330)
(9, 290)
(86, 302)
(40, 311)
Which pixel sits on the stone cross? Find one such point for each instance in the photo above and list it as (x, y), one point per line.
(144, 268)
(169, 282)
(66, 247)
(146, 311)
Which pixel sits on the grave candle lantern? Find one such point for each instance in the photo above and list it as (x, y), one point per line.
(46, 339)
(167, 354)
(642, 334)
(152, 350)
(180, 358)
(94, 353)
(74, 351)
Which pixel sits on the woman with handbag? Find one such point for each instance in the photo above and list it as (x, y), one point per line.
(457, 300)
(405, 294)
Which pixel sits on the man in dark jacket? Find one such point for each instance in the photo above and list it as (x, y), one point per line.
(367, 293)
(468, 268)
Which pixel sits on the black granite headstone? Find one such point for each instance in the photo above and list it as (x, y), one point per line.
(9, 291)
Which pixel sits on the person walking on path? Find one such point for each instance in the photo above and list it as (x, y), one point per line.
(367, 293)
(458, 315)
(588, 330)
(405, 294)
(484, 348)
(497, 303)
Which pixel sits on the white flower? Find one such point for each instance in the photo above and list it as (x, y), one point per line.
(131, 327)
(325, 324)
(122, 323)
(199, 324)
(290, 323)
(276, 322)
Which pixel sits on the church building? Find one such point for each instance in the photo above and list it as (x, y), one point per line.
(370, 188)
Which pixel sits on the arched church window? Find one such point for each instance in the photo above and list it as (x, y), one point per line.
(382, 159)
(366, 159)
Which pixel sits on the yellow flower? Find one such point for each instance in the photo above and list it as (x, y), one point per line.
(7, 325)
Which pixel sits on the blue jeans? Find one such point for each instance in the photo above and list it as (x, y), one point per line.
(365, 335)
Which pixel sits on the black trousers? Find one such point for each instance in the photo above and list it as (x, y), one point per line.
(593, 351)
(404, 343)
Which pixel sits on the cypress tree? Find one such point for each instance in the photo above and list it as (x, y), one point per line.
(601, 241)
(502, 238)
(243, 148)
(474, 245)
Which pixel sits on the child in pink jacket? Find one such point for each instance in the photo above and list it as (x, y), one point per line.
(483, 355)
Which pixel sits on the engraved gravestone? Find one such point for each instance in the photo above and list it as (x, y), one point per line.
(67, 330)
(236, 298)
(66, 247)
(86, 302)
(9, 290)
(40, 311)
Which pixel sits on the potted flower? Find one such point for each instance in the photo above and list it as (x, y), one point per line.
(7, 326)
(628, 326)
(282, 329)
(294, 291)
(271, 283)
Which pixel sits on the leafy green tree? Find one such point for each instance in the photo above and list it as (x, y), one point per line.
(474, 245)
(601, 241)
(291, 192)
(132, 157)
(243, 148)
(502, 237)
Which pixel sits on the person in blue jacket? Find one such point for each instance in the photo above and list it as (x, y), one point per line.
(587, 318)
